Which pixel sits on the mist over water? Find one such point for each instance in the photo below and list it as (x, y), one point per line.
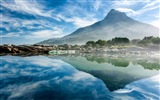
(78, 77)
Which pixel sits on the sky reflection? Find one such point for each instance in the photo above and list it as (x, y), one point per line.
(42, 78)
(27, 79)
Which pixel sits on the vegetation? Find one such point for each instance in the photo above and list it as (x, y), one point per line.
(97, 43)
(90, 43)
(119, 40)
(101, 42)
(123, 41)
(114, 41)
(150, 40)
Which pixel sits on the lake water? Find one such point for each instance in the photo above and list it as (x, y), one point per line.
(80, 77)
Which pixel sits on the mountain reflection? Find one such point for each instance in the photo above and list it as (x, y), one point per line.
(124, 61)
(42, 78)
(115, 71)
(120, 62)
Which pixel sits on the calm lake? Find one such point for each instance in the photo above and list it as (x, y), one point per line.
(80, 77)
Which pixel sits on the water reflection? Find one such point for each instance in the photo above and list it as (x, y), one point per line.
(115, 71)
(123, 61)
(42, 78)
(120, 62)
(145, 89)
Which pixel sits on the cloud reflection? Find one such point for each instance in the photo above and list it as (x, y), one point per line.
(145, 88)
(27, 79)
(41, 78)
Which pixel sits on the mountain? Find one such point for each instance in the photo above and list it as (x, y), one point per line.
(115, 24)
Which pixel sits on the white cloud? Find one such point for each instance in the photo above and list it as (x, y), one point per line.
(156, 23)
(30, 7)
(42, 24)
(123, 3)
(125, 6)
(13, 22)
(97, 4)
(147, 9)
(10, 35)
(45, 34)
(78, 14)
(125, 10)
(130, 12)
(17, 23)
(151, 3)
(80, 22)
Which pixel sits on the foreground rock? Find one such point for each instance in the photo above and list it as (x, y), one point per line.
(24, 49)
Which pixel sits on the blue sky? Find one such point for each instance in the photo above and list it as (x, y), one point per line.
(31, 21)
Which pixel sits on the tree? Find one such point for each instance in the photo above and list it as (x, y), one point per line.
(90, 43)
(150, 40)
(156, 40)
(120, 40)
(101, 42)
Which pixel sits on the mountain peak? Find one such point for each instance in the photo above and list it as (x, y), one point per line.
(115, 16)
(115, 12)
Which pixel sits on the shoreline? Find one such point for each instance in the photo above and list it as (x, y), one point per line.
(32, 50)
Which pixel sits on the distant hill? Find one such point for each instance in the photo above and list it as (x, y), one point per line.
(115, 24)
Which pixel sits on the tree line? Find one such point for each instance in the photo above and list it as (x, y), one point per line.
(150, 40)
(124, 41)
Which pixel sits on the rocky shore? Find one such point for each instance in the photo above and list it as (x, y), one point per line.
(24, 49)
(28, 50)
(33, 49)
